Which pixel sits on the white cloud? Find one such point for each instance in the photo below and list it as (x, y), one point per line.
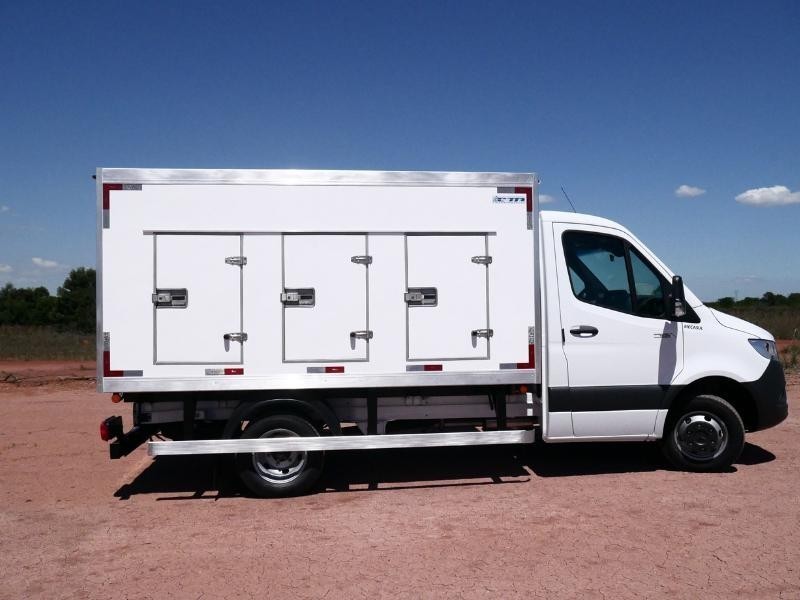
(689, 191)
(777, 195)
(4, 208)
(5, 268)
(546, 199)
(43, 262)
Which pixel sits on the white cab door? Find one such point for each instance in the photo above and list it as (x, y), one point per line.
(193, 329)
(454, 324)
(622, 352)
(327, 320)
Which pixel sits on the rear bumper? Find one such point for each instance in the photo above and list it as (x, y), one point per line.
(769, 394)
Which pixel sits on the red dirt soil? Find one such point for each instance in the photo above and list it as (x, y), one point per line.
(588, 520)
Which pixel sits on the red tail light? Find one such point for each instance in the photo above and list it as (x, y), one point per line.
(111, 428)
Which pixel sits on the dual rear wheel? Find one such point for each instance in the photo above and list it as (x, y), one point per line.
(279, 474)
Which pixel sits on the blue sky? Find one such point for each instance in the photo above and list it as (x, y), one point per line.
(620, 103)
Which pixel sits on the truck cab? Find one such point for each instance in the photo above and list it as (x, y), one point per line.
(622, 364)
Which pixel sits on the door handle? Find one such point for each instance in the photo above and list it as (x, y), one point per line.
(584, 331)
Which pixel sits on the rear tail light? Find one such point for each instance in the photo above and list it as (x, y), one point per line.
(111, 428)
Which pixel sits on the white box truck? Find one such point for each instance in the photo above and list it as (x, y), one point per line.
(253, 313)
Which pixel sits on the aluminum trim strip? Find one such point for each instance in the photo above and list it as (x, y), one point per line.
(307, 381)
(346, 442)
(314, 232)
(313, 177)
(99, 275)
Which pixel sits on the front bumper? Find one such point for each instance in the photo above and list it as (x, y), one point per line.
(769, 394)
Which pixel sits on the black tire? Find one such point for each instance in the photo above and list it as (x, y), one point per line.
(705, 435)
(279, 474)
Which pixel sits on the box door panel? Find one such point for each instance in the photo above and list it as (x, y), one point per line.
(325, 298)
(192, 329)
(453, 302)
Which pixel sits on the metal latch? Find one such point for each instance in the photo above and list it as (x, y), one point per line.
(421, 296)
(171, 298)
(482, 260)
(238, 336)
(236, 261)
(484, 333)
(365, 334)
(361, 260)
(298, 297)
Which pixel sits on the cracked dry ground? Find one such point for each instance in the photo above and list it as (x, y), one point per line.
(570, 520)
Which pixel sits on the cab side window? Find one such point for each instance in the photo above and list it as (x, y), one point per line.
(606, 271)
(598, 273)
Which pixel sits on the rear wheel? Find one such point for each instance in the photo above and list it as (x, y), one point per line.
(275, 474)
(705, 435)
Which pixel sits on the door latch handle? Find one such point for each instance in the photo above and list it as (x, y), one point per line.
(584, 331)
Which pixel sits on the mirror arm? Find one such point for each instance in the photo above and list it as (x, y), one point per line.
(677, 298)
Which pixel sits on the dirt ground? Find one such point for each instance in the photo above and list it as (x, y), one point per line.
(589, 520)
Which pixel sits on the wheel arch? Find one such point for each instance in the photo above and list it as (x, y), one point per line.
(315, 410)
(730, 390)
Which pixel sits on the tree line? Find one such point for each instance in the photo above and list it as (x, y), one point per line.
(71, 309)
(767, 300)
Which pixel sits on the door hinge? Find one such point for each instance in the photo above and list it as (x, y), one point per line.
(484, 333)
(238, 336)
(362, 335)
(236, 261)
(361, 260)
(482, 260)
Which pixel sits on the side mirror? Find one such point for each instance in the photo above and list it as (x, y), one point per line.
(677, 300)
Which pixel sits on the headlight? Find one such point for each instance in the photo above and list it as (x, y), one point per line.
(765, 348)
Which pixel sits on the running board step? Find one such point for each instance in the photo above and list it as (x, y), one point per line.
(346, 442)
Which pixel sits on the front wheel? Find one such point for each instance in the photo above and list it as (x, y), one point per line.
(275, 474)
(706, 435)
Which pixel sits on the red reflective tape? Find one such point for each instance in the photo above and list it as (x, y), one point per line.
(431, 367)
(528, 196)
(531, 364)
(334, 369)
(233, 371)
(107, 187)
(107, 372)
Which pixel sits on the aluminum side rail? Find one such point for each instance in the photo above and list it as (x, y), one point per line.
(347, 442)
